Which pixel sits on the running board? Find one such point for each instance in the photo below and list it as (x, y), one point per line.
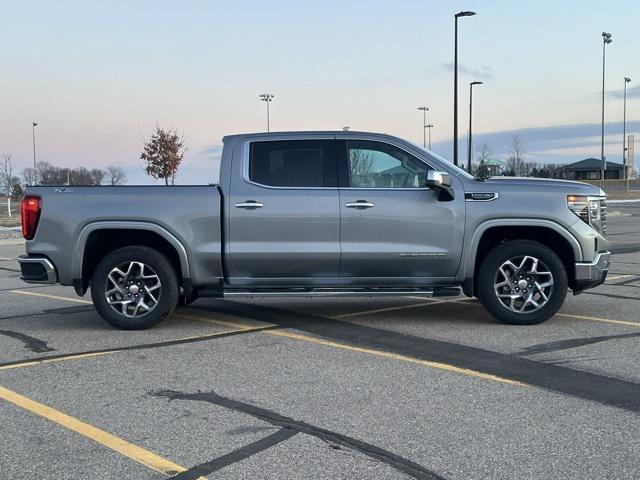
(355, 292)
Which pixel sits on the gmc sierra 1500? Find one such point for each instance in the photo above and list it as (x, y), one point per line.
(320, 213)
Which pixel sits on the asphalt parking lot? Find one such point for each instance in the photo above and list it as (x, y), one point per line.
(323, 388)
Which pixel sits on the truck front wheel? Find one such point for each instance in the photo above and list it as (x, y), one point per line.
(522, 282)
(134, 288)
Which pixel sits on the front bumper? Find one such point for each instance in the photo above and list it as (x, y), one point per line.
(37, 270)
(591, 274)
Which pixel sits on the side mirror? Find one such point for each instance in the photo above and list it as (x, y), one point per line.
(440, 181)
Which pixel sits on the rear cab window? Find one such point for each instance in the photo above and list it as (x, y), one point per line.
(293, 163)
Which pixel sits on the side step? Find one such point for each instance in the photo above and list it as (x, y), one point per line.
(342, 292)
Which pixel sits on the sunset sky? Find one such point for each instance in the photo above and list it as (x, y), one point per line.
(97, 76)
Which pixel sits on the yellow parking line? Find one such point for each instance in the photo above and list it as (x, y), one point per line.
(134, 452)
(598, 319)
(395, 356)
(29, 363)
(618, 277)
(5, 259)
(319, 341)
(401, 307)
(53, 297)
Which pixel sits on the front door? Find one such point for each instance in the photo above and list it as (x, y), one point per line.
(283, 213)
(393, 229)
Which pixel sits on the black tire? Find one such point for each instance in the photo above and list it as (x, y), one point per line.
(489, 276)
(155, 262)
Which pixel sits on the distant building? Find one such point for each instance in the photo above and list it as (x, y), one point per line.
(591, 169)
(490, 168)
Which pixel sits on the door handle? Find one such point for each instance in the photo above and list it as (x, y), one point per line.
(251, 204)
(359, 204)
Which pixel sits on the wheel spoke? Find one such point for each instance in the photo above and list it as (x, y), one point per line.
(133, 289)
(523, 284)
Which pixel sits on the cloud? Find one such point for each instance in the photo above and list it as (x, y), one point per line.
(632, 92)
(482, 73)
(555, 143)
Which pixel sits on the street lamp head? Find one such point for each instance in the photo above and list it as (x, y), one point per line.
(476, 83)
(425, 109)
(627, 80)
(606, 37)
(465, 14)
(35, 124)
(266, 97)
(428, 126)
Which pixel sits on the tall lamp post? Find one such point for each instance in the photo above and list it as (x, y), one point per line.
(624, 130)
(430, 126)
(267, 98)
(33, 132)
(606, 40)
(469, 143)
(424, 125)
(455, 85)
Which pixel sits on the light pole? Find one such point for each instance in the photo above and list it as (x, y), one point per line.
(267, 98)
(430, 126)
(624, 130)
(35, 171)
(606, 40)
(455, 85)
(470, 116)
(424, 125)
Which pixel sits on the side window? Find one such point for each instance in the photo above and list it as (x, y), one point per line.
(379, 165)
(293, 163)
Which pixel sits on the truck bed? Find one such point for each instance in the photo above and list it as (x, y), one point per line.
(191, 214)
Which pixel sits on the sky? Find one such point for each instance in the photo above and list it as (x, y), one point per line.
(98, 76)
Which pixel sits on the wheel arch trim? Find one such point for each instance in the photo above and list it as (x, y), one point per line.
(87, 230)
(472, 251)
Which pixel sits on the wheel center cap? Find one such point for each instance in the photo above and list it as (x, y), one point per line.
(521, 284)
(135, 289)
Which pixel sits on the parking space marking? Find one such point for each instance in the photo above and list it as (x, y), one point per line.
(395, 356)
(197, 318)
(134, 452)
(401, 307)
(598, 319)
(5, 259)
(53, 297)
(106, 351)
(618, 277)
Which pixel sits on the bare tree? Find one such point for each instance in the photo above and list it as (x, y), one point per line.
(97, 176)
(515, 160)
(360, 166)
(7, 179)
(163, 153)
(29, 176)
(484, 153)
(115, 175)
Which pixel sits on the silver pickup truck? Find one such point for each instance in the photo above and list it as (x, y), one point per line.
(320, 214)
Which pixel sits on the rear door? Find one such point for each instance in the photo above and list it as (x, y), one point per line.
(284, 217)
(393, 229)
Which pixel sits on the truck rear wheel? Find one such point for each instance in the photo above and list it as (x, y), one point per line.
(134, 288)
(522, 282)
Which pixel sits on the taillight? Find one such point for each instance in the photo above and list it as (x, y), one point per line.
(30, 216)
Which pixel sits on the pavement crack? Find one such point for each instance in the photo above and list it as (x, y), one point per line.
(571, 343)
(237, 455)
(333, 438)
(31, 343)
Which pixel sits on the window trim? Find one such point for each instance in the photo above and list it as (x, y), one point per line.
(246, 153)
(343, 166)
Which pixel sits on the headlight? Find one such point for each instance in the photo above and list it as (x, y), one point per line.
(591, 210)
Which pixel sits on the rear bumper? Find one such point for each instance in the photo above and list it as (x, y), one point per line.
(592, 274)
(37, 270)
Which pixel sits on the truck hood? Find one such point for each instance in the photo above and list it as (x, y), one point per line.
(543, 183)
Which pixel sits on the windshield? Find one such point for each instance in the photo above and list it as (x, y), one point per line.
(458, 170)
